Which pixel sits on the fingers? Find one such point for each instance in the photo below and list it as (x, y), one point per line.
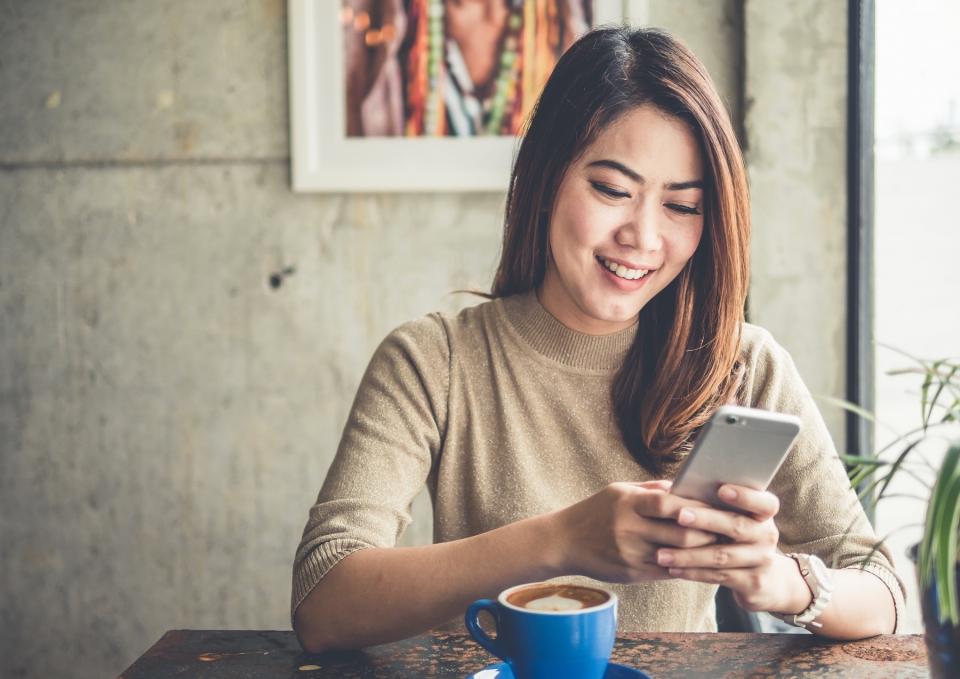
(738, 527)
(760, 503)
(714, 557)
(666, 532)
(730, 577)
(658, 504)
(659, 484)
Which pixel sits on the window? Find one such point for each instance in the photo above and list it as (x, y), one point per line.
(916, 232)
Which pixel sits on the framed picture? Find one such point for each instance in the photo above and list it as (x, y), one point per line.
(421, 95)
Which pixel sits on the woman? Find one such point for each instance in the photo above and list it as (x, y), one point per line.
(547, 422)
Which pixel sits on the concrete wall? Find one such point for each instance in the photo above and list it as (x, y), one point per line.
(166, 416)
(795, 93)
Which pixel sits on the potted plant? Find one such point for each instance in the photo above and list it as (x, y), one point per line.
(936, 556)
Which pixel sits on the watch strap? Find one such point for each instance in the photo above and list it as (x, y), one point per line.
(815, 574)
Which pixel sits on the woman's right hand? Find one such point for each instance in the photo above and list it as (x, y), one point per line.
(613, 535)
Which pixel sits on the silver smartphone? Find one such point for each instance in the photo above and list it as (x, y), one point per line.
(742, 446)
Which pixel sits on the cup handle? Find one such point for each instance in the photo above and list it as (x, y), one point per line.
(472, 620)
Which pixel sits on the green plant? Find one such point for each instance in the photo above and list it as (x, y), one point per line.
(937, 554)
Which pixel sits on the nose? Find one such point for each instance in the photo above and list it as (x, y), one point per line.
(642, 230)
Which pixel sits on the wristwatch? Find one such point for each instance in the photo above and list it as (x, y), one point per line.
(817, 576)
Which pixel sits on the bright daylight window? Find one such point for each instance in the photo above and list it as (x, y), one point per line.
(917, 233)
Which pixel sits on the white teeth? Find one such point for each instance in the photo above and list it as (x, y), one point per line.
(624, 272)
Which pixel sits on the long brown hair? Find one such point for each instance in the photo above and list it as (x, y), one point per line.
(683, 363)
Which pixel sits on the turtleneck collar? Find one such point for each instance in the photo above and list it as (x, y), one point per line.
(551, 338)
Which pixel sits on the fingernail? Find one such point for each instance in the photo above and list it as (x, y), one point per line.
(728, 493)
(676, 572)
(664, 558)
(686, 516)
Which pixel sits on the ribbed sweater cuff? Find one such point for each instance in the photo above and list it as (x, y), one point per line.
(311, 569)
(889, 579)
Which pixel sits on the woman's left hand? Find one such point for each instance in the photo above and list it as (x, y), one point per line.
(747, 562)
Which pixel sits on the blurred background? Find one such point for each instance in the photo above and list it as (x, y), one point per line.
(917, 239)
(181, 335)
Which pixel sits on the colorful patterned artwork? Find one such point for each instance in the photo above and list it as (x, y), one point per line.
(451, 68)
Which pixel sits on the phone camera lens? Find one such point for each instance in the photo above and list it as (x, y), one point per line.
(731, 419)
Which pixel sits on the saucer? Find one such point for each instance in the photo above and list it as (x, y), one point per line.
(501, 670)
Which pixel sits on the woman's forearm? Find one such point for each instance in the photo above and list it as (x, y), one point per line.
(861, 607)
(376, 596)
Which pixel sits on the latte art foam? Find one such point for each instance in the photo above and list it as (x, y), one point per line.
(556, 598)
(554, 603)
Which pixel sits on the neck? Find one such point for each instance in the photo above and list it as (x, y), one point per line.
(559, 304)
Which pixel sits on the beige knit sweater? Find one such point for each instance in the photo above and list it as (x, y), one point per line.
(505, 413)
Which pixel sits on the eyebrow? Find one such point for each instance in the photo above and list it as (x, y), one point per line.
(637, 177)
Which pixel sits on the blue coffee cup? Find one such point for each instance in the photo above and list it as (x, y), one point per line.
(541, 644)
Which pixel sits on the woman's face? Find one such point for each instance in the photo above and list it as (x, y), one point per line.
(632, 202)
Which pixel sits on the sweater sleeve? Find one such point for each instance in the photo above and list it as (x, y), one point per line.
(392, 436)
(819, 511)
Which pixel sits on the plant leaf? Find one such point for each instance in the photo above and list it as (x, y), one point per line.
(937, 556)
(896, 466)
(941, 383)
(948, 534)
(924, 391)
(860, 460)
(883, 541)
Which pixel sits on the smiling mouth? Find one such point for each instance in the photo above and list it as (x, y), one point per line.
(620, 271)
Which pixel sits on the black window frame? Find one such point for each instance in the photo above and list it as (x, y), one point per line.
(860, 383)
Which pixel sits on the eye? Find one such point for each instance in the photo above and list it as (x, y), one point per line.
(683, 209)
(608, 190)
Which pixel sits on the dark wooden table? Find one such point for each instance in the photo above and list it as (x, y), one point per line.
(242, 654)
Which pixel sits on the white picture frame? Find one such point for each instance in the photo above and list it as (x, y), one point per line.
(324, 159)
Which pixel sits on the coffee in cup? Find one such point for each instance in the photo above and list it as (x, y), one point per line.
(549, 597)
(546, 630)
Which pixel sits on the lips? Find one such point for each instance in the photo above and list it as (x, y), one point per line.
(623, 269)
(620, 283)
